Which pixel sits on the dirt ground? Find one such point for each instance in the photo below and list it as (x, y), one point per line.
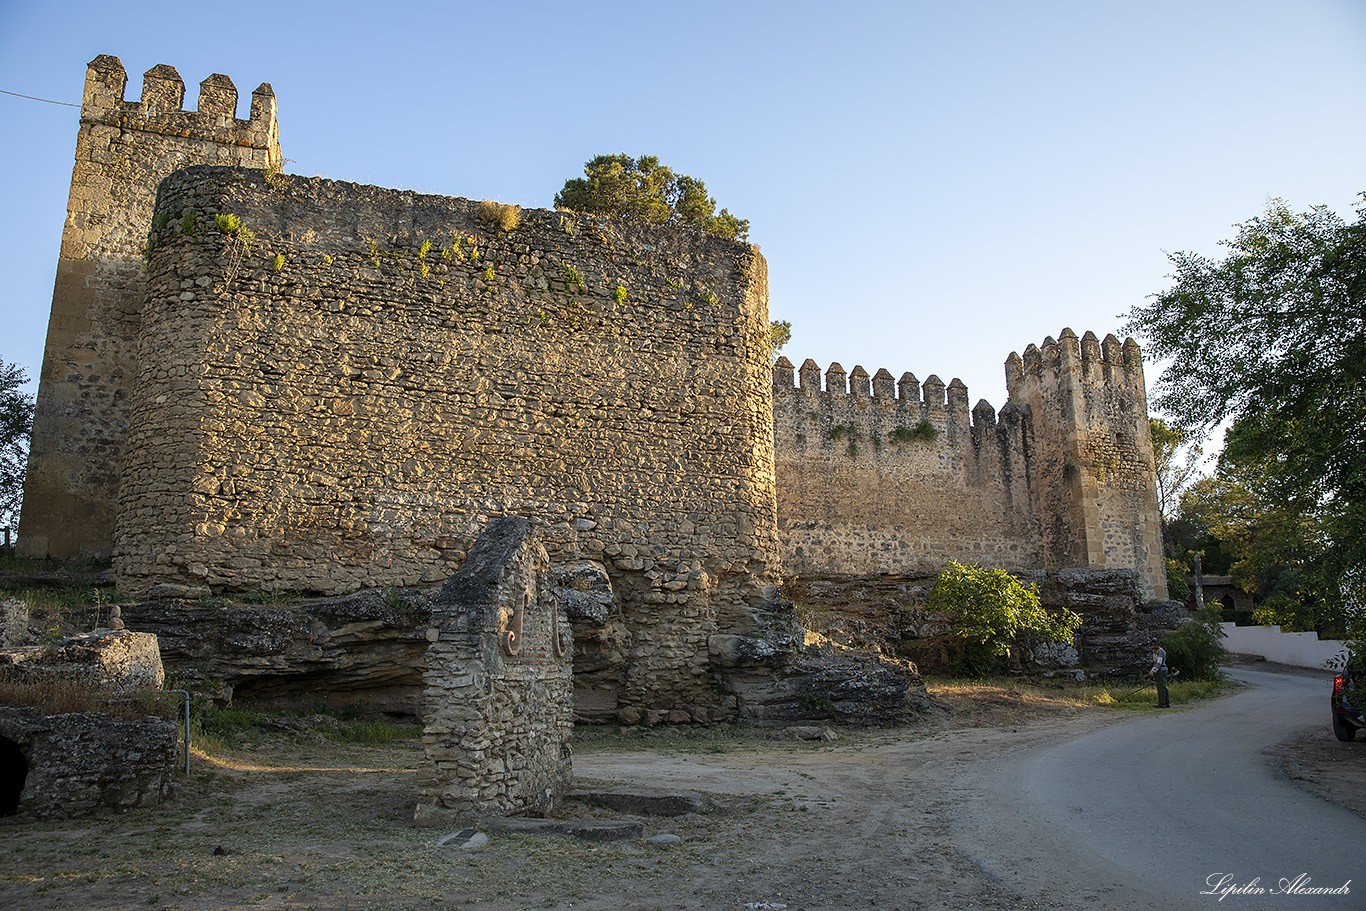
(294, 821)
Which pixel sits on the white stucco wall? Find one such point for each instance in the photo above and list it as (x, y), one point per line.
(1297, 649)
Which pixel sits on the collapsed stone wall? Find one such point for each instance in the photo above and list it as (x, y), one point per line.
(79, 763)
(347, 400)
(123, 150)
(498, 684)
(81, 738)
(883, 476)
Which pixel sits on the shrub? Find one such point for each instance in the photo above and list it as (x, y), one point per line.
(924, 432)
(1195, 649)
(995, 616)
(498, 215)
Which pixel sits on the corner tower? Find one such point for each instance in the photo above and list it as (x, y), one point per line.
(123, 150)
(1093, 465)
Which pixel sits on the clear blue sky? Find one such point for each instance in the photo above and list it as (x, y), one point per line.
(933, 185)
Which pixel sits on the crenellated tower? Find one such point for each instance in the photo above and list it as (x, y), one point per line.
(1095, 481)
(123, 151)
(883, 476)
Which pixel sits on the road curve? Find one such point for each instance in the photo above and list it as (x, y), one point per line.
(1154, 813)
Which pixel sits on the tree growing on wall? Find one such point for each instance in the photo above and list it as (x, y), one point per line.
(642, 189)
(995, 616)
(16, 420)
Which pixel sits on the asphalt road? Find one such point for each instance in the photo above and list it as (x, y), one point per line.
(1181, 810)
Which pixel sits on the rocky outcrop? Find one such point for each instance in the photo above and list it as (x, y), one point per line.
(102, 660)
(823, 680)
(890, 613)
(364, 649)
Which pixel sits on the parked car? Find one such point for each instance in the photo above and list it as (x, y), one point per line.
(1346, 717)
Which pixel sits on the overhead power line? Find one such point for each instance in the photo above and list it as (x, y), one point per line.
(46, 100)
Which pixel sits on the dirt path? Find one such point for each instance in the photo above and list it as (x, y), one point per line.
(861, 822)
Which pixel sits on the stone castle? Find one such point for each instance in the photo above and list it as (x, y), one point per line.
(255, 381)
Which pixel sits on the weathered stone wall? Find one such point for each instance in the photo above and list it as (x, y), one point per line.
(348, 401)
(1092, 460)
(883, 476)
(123, 150)
(81, 763)
(873, 478)
(498, 684)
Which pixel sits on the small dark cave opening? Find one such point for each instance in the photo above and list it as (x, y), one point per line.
(13, 774)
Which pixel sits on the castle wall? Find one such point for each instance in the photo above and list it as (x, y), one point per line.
(884, 477)
(123, 150)
(877, 477)
(1093, 455)
(349, 399)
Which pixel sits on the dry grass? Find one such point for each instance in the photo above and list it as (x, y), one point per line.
(1006, 701)
(60, 697)
(499, 215)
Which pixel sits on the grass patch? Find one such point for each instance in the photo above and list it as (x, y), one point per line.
(61, 697)
(215, 730)
(1006, 700)
(1135, 695)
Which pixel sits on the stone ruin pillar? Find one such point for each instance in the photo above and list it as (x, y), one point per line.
(498, 684)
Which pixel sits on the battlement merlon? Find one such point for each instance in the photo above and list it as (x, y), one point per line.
(161, 108)
(933, 401)
(1099, 363)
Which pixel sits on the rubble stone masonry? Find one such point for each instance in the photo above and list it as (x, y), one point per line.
(884, 476)
(123, 150)
(346, 399)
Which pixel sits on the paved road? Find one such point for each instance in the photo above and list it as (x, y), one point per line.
(1152, 813)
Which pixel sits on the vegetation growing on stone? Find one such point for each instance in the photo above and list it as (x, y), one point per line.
(498, 215)
(643, 189)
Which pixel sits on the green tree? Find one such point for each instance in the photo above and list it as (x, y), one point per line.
(642, 189)
(1177, 456)
(1276, 547)
(779, 334)
(16, 420)
(995, 615)
(1273, 337)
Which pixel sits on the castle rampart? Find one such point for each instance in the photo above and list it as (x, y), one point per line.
(901, 478)
(255, 381)
(347, 400)
(897, 478)
(123, 150)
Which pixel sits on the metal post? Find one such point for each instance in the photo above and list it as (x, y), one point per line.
(186, 694)
(1199, 584)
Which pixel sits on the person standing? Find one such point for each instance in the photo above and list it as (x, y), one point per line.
(1159, 670)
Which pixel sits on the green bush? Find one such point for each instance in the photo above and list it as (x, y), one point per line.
(995, 616)
(1195, 649)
